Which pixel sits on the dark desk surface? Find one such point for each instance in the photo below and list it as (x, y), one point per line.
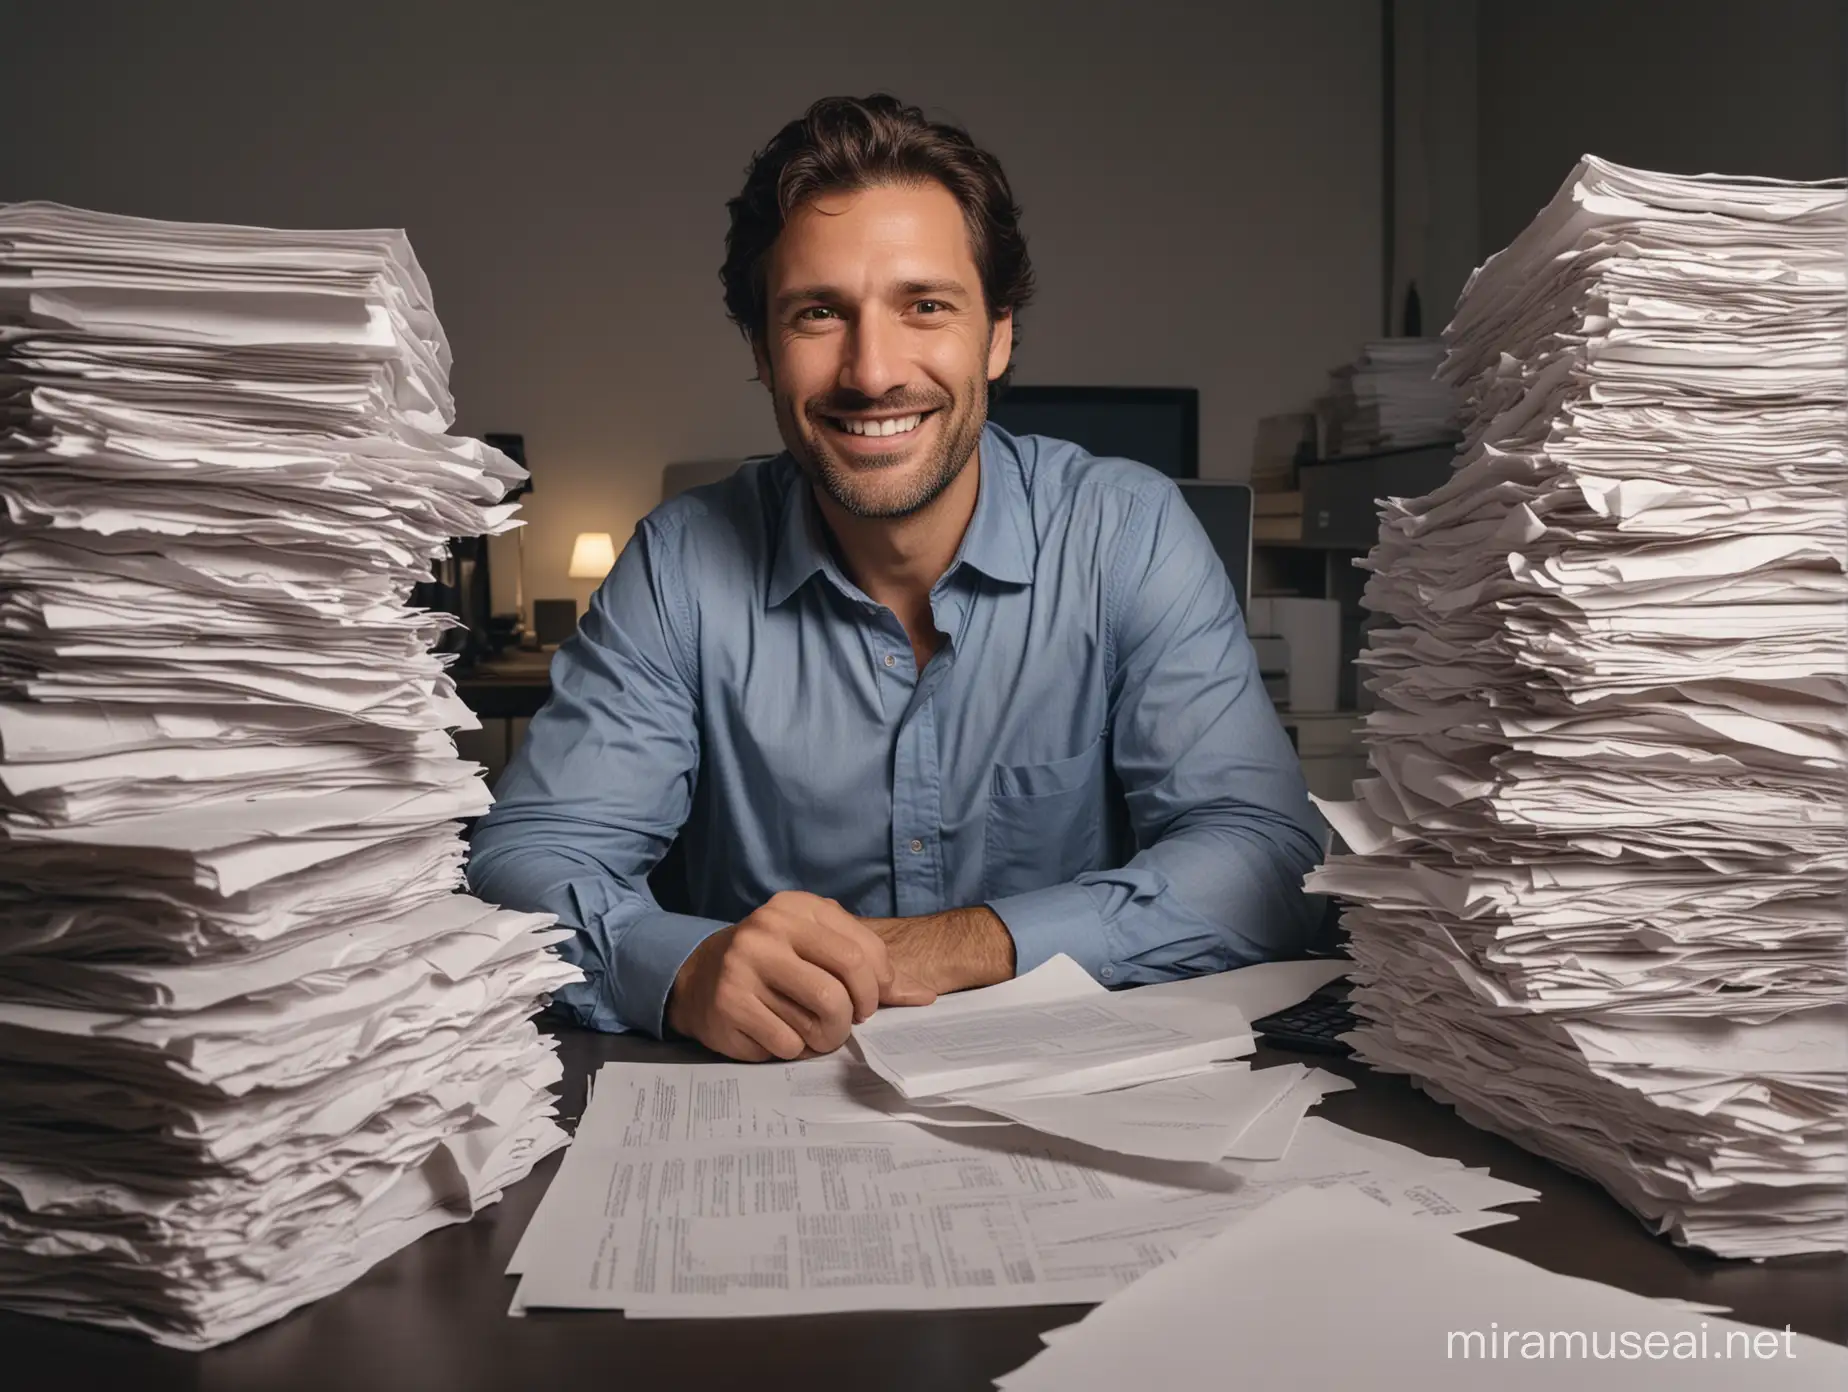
(510, 687)
(435, 1315)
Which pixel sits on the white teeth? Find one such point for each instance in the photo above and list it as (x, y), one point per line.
(899, 425)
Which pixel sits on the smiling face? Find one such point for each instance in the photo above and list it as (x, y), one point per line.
(878, 349)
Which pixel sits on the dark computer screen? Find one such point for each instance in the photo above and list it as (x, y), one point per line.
(1157, 426)
(1224, 510)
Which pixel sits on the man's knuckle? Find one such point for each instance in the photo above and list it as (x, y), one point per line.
(836, 1004)
(771, 923)
(754, 935)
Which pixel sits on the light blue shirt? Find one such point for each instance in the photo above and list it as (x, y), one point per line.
(1091, 754)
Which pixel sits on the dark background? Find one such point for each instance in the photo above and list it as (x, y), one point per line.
(1202, 182)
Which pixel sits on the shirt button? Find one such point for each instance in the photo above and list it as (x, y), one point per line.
(1106, 972)
(891, 661)
(916, 846)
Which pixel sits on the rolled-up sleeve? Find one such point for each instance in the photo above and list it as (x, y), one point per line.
(600, 789)
(1214, 790)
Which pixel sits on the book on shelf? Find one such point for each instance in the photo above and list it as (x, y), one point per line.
(1282, 528)
(1277, 504)
(1279, 444)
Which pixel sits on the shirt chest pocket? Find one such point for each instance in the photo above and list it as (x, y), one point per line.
(1045, 823)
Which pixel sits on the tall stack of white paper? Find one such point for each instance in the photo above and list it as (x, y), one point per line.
(1389, 398)
(251, 1040)
(1599, 871)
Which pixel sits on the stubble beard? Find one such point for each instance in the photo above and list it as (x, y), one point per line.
(853, 484)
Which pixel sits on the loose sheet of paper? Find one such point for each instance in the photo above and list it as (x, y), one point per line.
(1098, 1043)
(1328, 1287)
(986, 1218)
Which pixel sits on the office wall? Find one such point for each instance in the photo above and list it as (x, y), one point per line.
(1201, 186)
(1692, 86)
(1435, 158)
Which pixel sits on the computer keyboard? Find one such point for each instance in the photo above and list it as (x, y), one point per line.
(1313, 1026)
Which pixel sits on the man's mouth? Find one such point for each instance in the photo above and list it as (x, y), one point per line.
(880, 427)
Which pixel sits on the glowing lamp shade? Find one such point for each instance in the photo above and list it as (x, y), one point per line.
(593, 555)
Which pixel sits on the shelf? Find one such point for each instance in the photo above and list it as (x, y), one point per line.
(1309, 546)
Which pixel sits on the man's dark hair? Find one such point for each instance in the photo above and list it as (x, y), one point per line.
(844, 144)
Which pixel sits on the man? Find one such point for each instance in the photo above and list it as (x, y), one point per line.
(924, 703)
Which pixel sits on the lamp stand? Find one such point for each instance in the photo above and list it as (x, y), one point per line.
(523, 635)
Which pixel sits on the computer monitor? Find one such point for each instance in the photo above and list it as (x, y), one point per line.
(460, 582)
(1156, 426)
(1224, 509)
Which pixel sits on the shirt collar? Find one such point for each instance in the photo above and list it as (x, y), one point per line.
(998, 542)
(800, 550)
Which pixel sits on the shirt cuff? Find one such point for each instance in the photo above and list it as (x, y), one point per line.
(1060, 918)
(648, 957)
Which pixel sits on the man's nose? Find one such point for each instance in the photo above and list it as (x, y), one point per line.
(875, 359)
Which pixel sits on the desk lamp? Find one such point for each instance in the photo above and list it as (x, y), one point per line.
(593, 554)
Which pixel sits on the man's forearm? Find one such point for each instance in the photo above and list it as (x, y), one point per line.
(950, 951)
(628, 948)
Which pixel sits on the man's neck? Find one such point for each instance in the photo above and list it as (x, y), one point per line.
(896, 560)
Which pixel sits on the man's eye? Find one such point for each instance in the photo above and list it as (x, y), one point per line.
(813, 314)
(932, 306)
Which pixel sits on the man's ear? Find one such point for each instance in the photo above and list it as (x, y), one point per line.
(1000, 343)
(760, 354)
